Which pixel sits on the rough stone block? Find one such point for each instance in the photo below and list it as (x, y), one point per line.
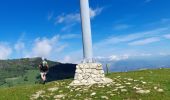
(89, 73)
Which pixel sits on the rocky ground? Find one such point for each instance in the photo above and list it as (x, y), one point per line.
(119, 86)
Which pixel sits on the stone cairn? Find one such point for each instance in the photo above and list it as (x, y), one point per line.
(89, 73)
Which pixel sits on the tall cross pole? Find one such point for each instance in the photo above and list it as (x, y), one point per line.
(86, 31)
(88, 72)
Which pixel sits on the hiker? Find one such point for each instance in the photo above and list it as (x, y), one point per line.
(43, 69)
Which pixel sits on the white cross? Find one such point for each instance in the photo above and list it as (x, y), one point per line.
(86, 31)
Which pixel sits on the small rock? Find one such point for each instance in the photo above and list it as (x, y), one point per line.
(88, 99)
(78, 95)
(143, 91)
(120, 87)
(76, 82)
(77, 89)
(155, 87)
(59, 96)
(160, 90)
(115, 89)
(38, 94)
(108, 85)
(85, 89)
(112, 94)
(137, 88)
(71, 90)
(130, 79)
(143, 82)
(128, 83)
(53, 89)
(117, 84)
(108, 92)
(60, 91)
(93, 94)
(123, 90)
(104, 97)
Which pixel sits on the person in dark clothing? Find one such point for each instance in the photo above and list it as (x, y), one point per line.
(43, 67)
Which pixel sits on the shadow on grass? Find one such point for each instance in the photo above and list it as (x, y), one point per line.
(60, 72)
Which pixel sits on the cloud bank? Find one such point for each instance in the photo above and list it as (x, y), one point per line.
(5, 51)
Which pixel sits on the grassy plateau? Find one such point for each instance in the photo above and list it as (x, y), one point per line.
(133, 85)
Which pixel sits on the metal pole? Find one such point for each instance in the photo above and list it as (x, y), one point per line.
(86, 31)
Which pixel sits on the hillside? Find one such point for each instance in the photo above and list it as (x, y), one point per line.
(25, 71)
(134, 85)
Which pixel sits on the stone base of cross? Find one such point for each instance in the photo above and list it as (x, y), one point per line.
(89, 73)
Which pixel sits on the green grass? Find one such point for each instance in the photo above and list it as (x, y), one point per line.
(26, 79)
(158, 78)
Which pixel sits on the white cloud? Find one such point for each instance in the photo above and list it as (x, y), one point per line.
(95, 12)
(5, 51)
(118, 58)
(68, 18)
(51, 48)
(44, 47)
(19, 46)
(164, 54)
(71, 19)
(67, 27)
(70, 36)
(144, 41)
(167, 36)
(121, 26)
(128, 38)
(75, 17)
(67, 59)
(73, 57)
(144, 54)
(60, 48)
(112, 58)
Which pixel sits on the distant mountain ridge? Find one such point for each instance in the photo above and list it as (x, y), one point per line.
(137, 63)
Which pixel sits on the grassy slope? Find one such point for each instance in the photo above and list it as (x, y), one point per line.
(28, 78)
(159, 78)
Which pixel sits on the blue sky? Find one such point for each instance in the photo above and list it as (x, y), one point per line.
(51, 28)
